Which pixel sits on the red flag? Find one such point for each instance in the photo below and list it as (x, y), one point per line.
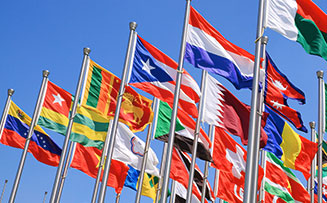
(87, 160)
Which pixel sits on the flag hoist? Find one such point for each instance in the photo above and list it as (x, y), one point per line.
(55, 188)
(36, 115)
(132, 38)
(321, 122)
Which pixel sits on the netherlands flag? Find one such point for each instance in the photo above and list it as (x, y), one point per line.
(207, 49)
(155, 73)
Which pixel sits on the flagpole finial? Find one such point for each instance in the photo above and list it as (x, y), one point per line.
(132, 25)
(320, 74)
(264, 40)
(11, 92)
(46, 73)
(312, 125)
(86, 51)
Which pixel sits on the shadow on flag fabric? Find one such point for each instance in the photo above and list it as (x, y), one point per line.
(101, 92)
(302, 21)
(294, 150)
(278, 90)
(223, 109)
(207, 49)
(16, 128)
(87, 160)
(155, 73)
(184, 132)
(281, 182)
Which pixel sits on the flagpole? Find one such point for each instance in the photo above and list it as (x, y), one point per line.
(321, 102)
(162, 169)
(35, 117)
(173, 192)
(102, 160)
(155, 118)
(132, 36)
(45, 196)
(206, 166)
(72, 147)
(250, 191)
(196, 136)
(263, 165)
(311, 181)
(69, 126)
(6, 110)
(3, 190)
(175, 105)
(118, 197)
(145, 158)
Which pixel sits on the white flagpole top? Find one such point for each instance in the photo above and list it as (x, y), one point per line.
(11, 92)
(86, 51)
(46, 73)
(264, 40)
(132, 25)
(320, 74)
(312, 125)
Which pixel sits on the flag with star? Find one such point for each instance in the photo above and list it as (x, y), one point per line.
(155, 73)
(278, 90)
(41, 146)
(87, 160)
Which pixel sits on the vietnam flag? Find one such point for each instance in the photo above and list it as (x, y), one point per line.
(87, 160)
(299, 20)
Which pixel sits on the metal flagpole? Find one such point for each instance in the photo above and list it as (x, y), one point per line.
(196, 136)
(173, 192)
(321, 119)
(206, 166)
(251, 173)
(175, 105)
(311, 181)
(3, 190)
(118, 197)
(155, 119)
(102, 160)
(145, 158)
(6, 110)
(45, 196)
(69, 126)
(132, 37)
(72, 147)
(35, 117)
(162, 169)
(263, 165)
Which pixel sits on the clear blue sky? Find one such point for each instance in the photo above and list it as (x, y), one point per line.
(37, 35)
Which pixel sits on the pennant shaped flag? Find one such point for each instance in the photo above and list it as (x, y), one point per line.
(180, 170)
(155, 73)
(299, 20)
(184, 132)
(207, 49)
(278, 90)
(281, 182)
(87, 160)
(41, 146)
(294, 150)
(101, 92)
(223, 109)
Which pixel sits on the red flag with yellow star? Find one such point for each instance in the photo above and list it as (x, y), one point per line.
(87, 160)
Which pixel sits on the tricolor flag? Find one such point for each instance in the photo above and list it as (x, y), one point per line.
(299, 20)
(207, 49)
(16, 128)
(155, 73)
(278, 90)
(294, 150)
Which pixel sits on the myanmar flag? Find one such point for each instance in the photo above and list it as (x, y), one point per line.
(299, 20)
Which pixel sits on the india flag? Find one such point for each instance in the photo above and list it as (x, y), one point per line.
(301, 21)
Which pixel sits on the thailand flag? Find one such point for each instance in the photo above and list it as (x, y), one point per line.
(155, 73)
(207, 49)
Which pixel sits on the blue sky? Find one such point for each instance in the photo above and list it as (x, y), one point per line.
(38, 35)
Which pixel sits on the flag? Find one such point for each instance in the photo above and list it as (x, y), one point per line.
(184, 132)
(89, 127)
(272, 198)
(41, 146)
(155, 73)
(223, 109)
(324, 183)
(87, 160)
(101, 92)
(181, 192)
(281, 182)
(229, 188)
(302, 21)
(294, 150)
(207, 49)
(278, 90)
(180, 170)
